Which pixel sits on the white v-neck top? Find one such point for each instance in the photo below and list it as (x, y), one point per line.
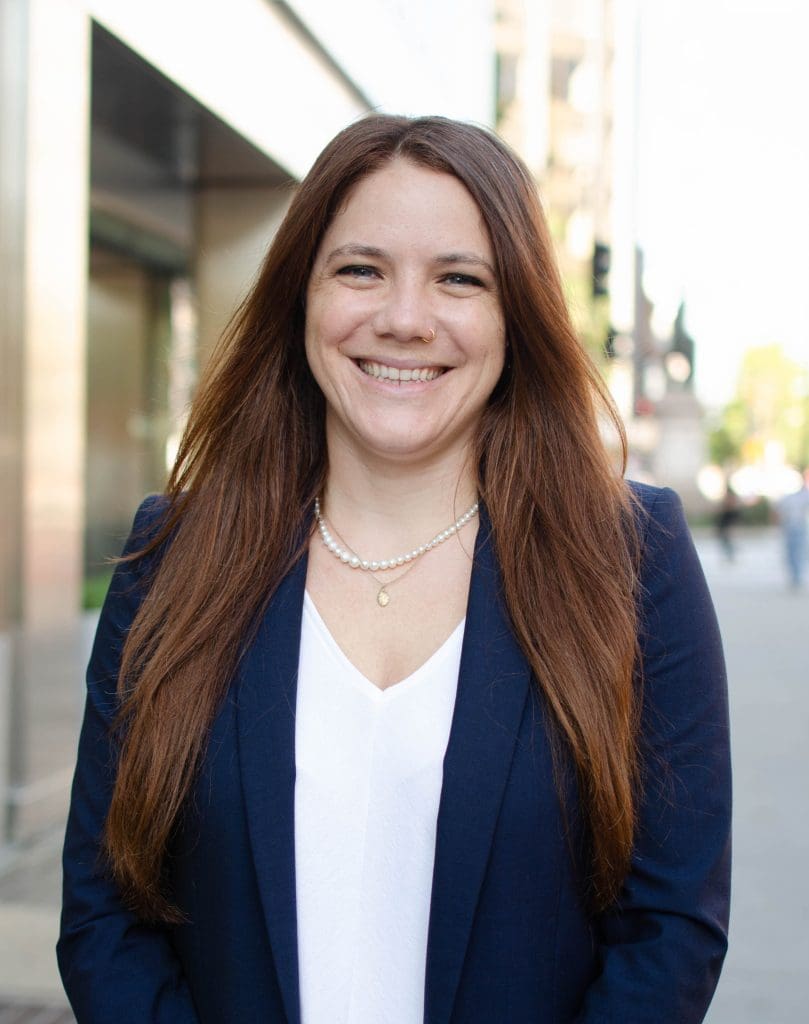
(369, 768)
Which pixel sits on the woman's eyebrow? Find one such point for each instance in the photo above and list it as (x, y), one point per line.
(374, 252)
(357, 249)
(466, 258)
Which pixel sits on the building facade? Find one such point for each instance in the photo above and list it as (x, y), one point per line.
(555, 106)
(569, 100)
(148, 152)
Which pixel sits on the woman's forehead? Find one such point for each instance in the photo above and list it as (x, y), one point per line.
(405, 203)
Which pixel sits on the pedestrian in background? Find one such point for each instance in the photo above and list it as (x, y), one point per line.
(726, 518)
(404, 706)
(793, 511)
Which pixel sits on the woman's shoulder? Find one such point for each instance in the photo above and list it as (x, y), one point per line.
(653, 500)
(668, 557)
(135, 565)
(149, 516)
(128, 586)
(148, 527)
(658, 511)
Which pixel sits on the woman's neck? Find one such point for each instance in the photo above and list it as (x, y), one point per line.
(379, 504)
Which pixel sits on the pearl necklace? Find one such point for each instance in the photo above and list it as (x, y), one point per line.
(354, 561)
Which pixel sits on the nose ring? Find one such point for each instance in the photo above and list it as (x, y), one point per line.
(430, 336)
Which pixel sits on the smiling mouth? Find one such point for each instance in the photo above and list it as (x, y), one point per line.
(382, 372)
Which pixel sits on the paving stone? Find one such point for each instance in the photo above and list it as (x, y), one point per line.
(11, 1013)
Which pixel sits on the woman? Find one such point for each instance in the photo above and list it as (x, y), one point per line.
(403, 705)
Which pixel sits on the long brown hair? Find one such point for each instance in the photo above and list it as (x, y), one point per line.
(253, 458)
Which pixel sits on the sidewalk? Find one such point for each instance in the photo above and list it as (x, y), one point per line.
(30, 989)
(766, 634)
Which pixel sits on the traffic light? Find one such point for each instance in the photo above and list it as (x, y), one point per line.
(601, 268)
(609, 342)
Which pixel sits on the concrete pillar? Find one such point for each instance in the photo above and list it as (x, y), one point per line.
(13, 50)
(48, 84)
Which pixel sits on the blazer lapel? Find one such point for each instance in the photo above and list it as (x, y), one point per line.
(493, 686)
(266, 715)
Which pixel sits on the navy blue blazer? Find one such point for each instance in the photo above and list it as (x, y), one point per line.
(509, 940)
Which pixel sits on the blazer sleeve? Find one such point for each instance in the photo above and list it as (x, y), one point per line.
(662, 947)
(114, 968)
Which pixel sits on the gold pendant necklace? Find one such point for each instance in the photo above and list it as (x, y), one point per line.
(351, 559)
(382, 595)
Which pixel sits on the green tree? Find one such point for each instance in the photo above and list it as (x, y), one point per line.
(771, 404)
(726, 438)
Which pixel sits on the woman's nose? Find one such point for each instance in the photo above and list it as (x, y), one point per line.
(403, 314)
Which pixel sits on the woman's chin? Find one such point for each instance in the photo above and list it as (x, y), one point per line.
(405, 445)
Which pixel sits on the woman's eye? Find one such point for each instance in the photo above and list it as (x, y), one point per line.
(358, 271)
(463, 279)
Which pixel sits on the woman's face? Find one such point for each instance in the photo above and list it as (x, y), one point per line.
(407, 255)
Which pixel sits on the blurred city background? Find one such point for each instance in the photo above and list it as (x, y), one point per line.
(147, 153)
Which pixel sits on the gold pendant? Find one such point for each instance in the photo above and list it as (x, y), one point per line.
(382, 597)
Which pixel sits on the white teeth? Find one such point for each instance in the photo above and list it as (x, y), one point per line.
(383, 372)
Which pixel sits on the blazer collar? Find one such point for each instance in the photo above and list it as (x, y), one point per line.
(266, 737)
(493, 686)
